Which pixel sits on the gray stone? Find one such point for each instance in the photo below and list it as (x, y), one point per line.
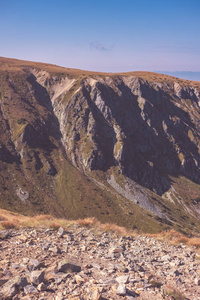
(34, 264)
(10, 290)
(42, 287)
(37, 277)
(4, 234)
(121, 290)
(107, 282)
(96, 295)
(55, 249)
(123, 279)
(66, 266)
(177, 273)
(20, 281)
(61, 232)
(3, 281)
(11, 287)
(25, 260)
(30, 289)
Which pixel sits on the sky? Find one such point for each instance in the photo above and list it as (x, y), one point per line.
(104, 35)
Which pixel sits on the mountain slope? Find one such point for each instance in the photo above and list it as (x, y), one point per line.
(122, 147)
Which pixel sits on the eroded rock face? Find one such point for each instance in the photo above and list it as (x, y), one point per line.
(81, 144)
(139, 126)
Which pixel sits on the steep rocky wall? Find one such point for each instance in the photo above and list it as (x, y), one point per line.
(122, 148)
(144, 128)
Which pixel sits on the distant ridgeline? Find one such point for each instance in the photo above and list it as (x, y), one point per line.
(184, 75)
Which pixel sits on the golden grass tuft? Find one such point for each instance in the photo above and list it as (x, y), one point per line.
(88, 222)
(54, 225)
(14, 220)
(10, 224)
(2, 218)
(194, 242)
(108, 227)
(116, 229)
(10, 220)
(174, 237)
(43, 217)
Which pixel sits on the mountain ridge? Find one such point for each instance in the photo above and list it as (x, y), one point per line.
(52, 67)
(118, 147)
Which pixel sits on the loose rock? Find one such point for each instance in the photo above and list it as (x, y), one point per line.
(96, 266)
(37, 277)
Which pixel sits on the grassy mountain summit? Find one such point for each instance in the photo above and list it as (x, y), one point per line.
(124, 148)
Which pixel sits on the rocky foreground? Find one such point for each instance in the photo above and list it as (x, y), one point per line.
(82, 264)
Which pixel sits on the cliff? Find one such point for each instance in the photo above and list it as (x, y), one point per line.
(121, 147)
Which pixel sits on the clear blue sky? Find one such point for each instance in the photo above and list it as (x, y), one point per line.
(103, 35)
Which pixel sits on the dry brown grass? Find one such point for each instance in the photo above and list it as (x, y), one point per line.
(2, 218)
(194, 242)
(117, 229)
(55, 225)
(88, 222)
(14, 220)
(174, 237)
(108, 227)
(43, 217)
(9, 224)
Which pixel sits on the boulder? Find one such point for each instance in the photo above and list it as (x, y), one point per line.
(66, 266)
(37, 277)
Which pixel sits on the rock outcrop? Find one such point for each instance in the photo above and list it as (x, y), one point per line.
(134, 137)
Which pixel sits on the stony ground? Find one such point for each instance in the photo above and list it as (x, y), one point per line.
(88, 264)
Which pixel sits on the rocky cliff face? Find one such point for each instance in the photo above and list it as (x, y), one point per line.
(143, 128)
(128, 141)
